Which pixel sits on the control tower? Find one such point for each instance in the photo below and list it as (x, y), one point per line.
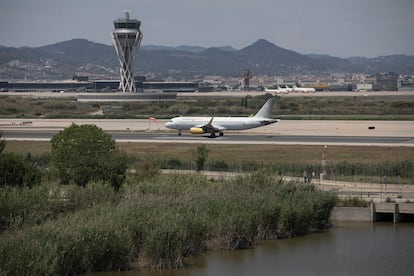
(127, 38)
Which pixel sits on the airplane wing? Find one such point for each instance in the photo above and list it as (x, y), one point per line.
(207, 128)
(218, 128)
(269, 122)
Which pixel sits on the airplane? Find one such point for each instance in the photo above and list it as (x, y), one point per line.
(278, 90)
(212, 125)
(303, 89)
(287, 88)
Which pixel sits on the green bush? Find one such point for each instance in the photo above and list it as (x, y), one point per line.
(218, 166)
(17, 171)
(85, 153)
(174, 163)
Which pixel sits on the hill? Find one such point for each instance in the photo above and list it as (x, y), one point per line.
(82, 57)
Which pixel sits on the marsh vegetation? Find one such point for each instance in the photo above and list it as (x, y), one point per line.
(157, 221)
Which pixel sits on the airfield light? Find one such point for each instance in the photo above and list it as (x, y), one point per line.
(324, 162)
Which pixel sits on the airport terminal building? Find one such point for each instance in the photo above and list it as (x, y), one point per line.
(82, 84)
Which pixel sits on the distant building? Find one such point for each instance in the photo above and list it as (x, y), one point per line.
(97, 86)
(80, 78)
(44, 86)
(161, 86)
(339, 87)
(364, 87)
(386, 82)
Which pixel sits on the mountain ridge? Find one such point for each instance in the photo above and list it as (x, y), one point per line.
(84, 57)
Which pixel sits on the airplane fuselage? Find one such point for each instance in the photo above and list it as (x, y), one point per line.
(303, 89)
(223, 123)
(277, 91)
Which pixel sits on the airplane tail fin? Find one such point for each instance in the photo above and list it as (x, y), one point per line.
(266, 110)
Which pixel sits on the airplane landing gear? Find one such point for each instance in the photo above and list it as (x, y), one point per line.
(179, 133)
(221, 133)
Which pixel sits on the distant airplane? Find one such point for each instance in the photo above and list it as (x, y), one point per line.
(278, 90)
(303, 89)
(287, 88)
(212, 125)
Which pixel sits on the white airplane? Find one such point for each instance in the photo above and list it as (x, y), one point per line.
(212, 125)
(278, 90)
(303, 89)
(289, 89)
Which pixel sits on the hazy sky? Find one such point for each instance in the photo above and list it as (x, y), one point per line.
(336, 27)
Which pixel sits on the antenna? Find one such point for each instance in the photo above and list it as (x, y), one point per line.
(126, 14)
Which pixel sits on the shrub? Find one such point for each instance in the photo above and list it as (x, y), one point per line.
(146, 169)
(219, 166)
(18, 171)
(202, 153)
(174, 163)
(85, 153)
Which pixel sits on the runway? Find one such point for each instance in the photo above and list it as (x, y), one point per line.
(229, 138)
(300, 132)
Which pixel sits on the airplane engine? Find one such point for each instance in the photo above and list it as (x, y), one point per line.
(196, 130)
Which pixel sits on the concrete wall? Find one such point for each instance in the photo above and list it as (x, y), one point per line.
(351, 214)
(395, 212)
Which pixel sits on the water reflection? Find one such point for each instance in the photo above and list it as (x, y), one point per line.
(346, 249)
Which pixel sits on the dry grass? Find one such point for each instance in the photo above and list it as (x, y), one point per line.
(26, 107)
(12, 106)
(287, 153)
(227, 153)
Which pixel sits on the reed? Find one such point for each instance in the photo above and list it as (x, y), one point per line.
(23, 207)
(159, 221)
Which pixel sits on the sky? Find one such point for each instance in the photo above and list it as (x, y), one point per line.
(340, 28)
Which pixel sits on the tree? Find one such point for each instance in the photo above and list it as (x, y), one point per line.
(85, 153)
(202, 157)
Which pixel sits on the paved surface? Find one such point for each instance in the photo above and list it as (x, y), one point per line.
(284, 127)
(397, 133)
(30, 134)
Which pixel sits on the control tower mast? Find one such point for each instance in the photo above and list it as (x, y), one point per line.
(127, 38)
